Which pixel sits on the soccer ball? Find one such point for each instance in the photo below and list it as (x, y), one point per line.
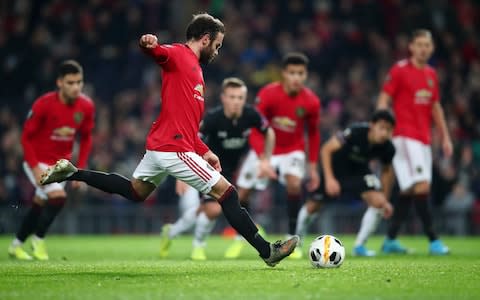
(327, 251)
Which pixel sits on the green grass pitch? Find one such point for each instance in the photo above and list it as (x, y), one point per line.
(127, 267)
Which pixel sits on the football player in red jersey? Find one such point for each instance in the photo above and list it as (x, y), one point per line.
(412, 90)
(54, 121)
(290, 108)
(173, 145)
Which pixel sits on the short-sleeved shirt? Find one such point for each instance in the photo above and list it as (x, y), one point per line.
(354, 156)
(183, 89)
(413, 91)
(51, 126)
(228, 138)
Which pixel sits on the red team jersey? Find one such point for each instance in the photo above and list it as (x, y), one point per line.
(413, 92)
(176, 128)
(50, 129)
(288, 117)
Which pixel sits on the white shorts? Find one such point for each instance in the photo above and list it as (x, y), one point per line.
(42, 190)
(292, 163)
(186, 166)
(412, 162)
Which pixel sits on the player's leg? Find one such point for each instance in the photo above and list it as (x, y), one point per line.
(307, 215)
(137, 190)
(191, 205)
(291, 167)
(377, 204)
(420, 198)
(404, 165)
(204, 223)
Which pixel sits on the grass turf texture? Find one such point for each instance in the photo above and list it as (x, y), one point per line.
(127, 267)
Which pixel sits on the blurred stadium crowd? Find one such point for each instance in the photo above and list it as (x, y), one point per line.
(351, 45)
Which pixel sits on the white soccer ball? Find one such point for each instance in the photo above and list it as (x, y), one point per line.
(326, 251)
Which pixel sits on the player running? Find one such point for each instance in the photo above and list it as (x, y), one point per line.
(345, 164)
(49, 132)
(225, 129)
(289, 107)
(173, 146)
(412, 88)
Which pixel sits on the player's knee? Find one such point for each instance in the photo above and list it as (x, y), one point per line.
(39, 201)
(220, 188)
(312, 206)
(374, 198)
(212, 210)
(421, 188)
(57, 194)
(141, 190)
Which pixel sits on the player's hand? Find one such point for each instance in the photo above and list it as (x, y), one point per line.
(332, 187)
(314, 180)
(213, 160)
(447, 147)
(148, 41)
(265, 169)
(38, 174)
(387, 210)
(78, 185)
(181, 187)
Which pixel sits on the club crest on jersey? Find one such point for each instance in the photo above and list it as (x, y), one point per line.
(300, 112)
(430, 82)
(78, 117)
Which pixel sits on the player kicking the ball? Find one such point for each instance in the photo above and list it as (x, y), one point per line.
(345, 161)
(173, 146)
(225, 129)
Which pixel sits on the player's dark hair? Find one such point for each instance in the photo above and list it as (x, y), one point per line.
(69, 67)
(421, 33)
(202, 24)
(384, 115)
(295, 58)
(234, 82)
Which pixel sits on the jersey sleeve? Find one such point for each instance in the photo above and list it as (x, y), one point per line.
(390, 85)
(33, 124)
(436, 89)
(259, 121)
(85, 132)
(313, 130)
(161, 54)
(388, 154)
(256, 139)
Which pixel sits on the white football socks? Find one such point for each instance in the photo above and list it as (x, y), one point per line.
(203, 228)
(370, 220)
(303, 221)
(185, 223)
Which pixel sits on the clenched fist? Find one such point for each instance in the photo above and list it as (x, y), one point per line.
(148, 41)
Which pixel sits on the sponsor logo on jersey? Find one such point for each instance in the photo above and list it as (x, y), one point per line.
(198, 92)
(423, 96)
(63, 133)
(78, 117)
(234, 143)
(284, 123)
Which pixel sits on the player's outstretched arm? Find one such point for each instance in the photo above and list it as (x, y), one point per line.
(386, 178)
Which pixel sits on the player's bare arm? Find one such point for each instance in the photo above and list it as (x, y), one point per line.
(314, 178)
(148, 41)
(439, 120)
(332, 187)
(387, 178)
(265, 167)
(383, 101)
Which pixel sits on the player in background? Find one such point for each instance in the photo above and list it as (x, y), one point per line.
(173, 145)
(412, 89)
(49, 132)
(290, 108)
(345, 161)
(225, 129)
